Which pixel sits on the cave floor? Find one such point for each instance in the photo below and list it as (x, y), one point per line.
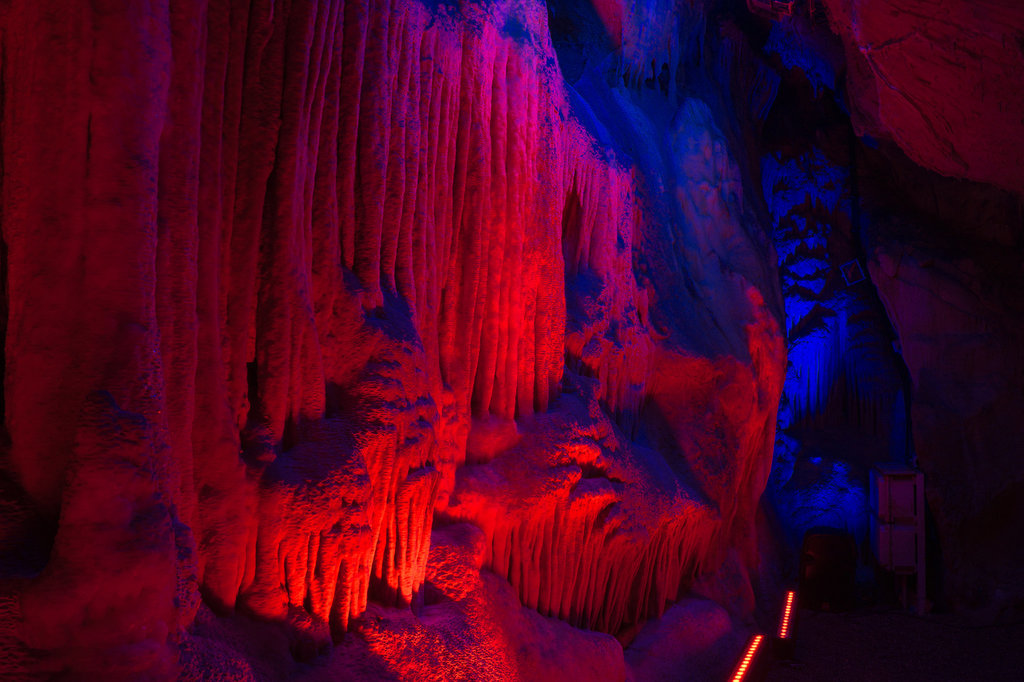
(869, 645)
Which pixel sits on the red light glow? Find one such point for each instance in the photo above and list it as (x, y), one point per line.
(748, 658)
(787, 612)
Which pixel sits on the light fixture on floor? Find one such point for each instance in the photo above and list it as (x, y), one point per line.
(749, 659)
(784, 636)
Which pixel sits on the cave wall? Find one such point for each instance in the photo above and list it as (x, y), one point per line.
(941, 82)
(934, 185)
(441, 339)
(294, 287)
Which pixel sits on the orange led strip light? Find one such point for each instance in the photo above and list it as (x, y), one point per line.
(748, 658)
(787, 612)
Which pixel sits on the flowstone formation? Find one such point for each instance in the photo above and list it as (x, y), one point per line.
(351, 340)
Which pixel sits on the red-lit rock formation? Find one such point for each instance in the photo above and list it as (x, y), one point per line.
(291, 286)
(941, 79)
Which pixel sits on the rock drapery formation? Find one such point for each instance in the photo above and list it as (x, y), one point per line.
(293, 286)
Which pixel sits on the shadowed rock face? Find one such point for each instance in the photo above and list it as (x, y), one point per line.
(291, 288)
(950, 281)
(964, 360)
